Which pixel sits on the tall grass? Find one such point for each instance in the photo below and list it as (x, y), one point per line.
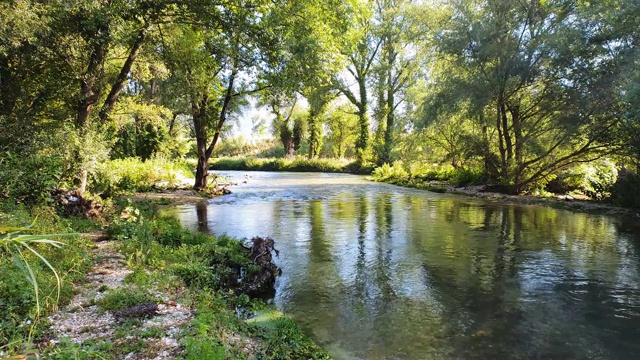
(133, 174)
(37, 270)
(293, 165)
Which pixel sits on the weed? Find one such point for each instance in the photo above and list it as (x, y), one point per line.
(124, 297)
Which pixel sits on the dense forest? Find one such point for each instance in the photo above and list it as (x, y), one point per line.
(100, 98)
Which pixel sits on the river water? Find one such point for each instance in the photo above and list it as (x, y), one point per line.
(375, 271)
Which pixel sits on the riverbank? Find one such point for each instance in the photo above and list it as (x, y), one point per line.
(291, 165)
(557, 201)
(145, 288)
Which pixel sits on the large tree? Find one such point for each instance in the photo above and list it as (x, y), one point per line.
(360, 50)
(396, 69)
(528, 74)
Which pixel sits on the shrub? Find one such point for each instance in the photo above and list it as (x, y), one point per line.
(132, 174)
(595, 179)
(463, 176)
(29, 179)
(393, 173)
(294, 165)
(625, 191)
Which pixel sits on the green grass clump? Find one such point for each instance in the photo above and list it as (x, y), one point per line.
(124, 297)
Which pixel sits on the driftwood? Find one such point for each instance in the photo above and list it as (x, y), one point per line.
(262, 281)
(73, 203)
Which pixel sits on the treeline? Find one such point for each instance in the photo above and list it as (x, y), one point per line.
(519, 92)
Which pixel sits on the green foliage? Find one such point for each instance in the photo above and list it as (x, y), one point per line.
(209, 267)
(390, 173)
(462, 177)
(343, 127)
(132, 174)
(417, 174)
(29, 179)
(294, 165)
(69, 350)
(625, 190)
(124, 297)
(37, 276)
(239, 146)
(287, 341)
(595, 179)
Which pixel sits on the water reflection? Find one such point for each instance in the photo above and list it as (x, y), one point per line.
(378, 272)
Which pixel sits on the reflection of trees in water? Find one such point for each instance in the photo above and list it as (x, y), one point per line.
(383, 247)
(480, 268)
(497, 281)
(361, 270)
(319, 247)
(203, 220)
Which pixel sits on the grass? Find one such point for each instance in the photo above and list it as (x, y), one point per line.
(197, 270)
(31, 291)
(433, 178)
(124, 297)
(292, 165)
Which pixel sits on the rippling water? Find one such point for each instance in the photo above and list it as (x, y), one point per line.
(374, 271)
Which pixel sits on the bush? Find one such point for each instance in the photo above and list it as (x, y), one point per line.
(463, 177)
(30, 179)
(595, 179)
(132, 174)
(392, 174)
(626, 190)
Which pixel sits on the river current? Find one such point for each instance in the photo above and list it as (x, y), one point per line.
(375, 271)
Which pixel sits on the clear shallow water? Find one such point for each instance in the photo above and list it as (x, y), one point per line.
(374, 271)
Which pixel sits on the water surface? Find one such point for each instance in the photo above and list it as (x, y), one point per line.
(375, 271)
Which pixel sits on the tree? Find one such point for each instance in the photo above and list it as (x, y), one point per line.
(396, 69)
(318, 97)
(522, 65)
(305, 57)
(342, 129)
(288, 125)
(360, 53)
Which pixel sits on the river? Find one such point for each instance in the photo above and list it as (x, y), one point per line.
(375, 271)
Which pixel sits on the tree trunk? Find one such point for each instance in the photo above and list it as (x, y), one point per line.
(517, 137)
(199, 122)
(388, 132)
(289, 148)
(199, 114)
(118, 85)
(503, 157)
(202, 169)
(363, 138)
(89, 95)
